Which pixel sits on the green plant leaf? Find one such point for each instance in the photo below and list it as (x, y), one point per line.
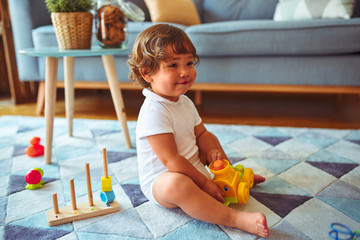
(70, 5)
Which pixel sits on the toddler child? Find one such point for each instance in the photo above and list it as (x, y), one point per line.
(173, 145)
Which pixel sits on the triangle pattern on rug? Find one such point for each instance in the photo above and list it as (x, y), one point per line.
(101, 132)
(228, 135)
(3, 204)
(118, 156)
(284, 230)
(96, 236)
(272, 136)
(194, 229)
(272, 201)
(341, 189)
(335, 169)
(63, 153)
(19, 150)
(135, 194)
(24, 129)
(17, 232)
(354, 137)
(278, 185)
(129, 224)
(275, 165)
(350, 207)
(327, 156)
(317, 138)
(354, 141)
(273, 140)
(39, 220)
(234, 160)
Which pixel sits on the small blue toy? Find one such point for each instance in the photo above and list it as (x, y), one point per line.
(342, 232)
(107, 197)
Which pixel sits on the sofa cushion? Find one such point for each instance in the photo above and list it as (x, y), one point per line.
(227, 10)
(335, 70)
(174, 11)
(266, 37)
(309, 9)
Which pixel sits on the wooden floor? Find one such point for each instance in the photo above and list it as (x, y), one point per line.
(296, 110)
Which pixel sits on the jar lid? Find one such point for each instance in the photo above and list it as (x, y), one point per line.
(132, 11)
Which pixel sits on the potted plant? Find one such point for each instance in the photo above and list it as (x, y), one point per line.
(72, 21)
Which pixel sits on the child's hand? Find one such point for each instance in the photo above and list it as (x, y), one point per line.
(214, 155)
(213, 190)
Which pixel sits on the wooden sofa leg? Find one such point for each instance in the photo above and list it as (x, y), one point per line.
(40, 99)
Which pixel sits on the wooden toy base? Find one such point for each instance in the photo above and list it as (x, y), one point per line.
(83, 211)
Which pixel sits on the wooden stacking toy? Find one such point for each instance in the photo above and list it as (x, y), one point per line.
(57, 216)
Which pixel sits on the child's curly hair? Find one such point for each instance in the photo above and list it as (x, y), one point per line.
(150, 48)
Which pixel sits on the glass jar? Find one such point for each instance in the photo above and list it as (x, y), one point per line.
(111, 22)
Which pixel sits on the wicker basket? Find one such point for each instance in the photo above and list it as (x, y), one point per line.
(73, 29)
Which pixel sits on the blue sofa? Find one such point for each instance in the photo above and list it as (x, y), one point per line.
(241, 49)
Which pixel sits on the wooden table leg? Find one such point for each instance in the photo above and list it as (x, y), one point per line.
(69, 91)
(114, 85)
(50, 100)
(40, 99)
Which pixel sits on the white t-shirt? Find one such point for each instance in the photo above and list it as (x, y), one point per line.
(159, 115)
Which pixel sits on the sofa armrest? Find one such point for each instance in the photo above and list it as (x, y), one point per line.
(25, 16)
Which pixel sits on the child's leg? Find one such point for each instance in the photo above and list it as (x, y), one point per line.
(176, 190)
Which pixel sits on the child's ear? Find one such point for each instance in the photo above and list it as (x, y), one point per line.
(145, 73)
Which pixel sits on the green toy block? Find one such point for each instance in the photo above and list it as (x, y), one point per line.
(106, 185)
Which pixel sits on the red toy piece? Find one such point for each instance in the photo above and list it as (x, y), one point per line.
(33, 178)
(35, 149)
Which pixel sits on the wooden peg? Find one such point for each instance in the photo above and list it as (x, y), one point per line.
(88, 183)
(72, 194)
(55, 203)
(106, 173)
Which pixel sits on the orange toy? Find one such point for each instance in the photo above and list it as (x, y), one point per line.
(234, 181)
(35, 149)
(218, 165)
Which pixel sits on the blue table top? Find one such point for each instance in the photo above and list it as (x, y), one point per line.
(56, 52)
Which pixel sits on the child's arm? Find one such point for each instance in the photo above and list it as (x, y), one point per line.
(211, 149)
(165, 148)
(209, 146)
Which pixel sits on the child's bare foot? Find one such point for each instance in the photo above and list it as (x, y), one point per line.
(254, 223)
(258, 179)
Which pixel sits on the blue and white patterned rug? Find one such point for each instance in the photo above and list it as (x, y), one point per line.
(313, 180)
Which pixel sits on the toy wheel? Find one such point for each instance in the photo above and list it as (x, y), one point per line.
(243, 192)
(249, 177)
